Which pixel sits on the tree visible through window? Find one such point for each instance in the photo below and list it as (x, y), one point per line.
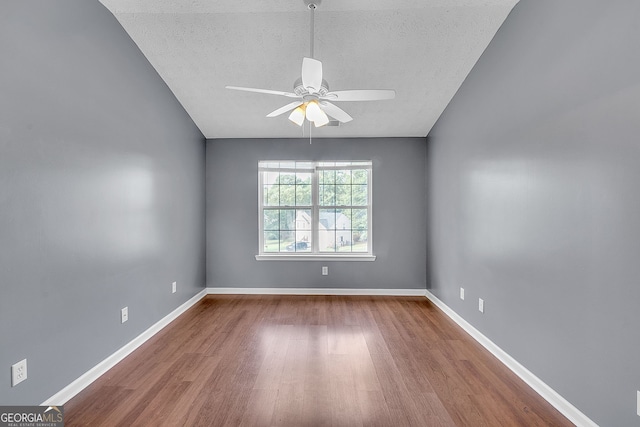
(315, 207)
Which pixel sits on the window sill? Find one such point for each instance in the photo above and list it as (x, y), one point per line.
(315, 257)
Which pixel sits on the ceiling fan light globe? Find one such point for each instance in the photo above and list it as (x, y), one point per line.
(297, 115)
(313, 111)
(321, 121)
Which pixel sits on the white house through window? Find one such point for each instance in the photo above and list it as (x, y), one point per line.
(315, 207)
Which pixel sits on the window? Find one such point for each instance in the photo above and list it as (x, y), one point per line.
(314, 209)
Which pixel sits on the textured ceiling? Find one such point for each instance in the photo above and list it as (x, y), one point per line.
(423, 49)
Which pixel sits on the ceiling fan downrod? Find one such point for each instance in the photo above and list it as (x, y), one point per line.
(312, 7)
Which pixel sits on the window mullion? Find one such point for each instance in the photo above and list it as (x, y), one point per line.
(369, 218)
(315, 199)
(261, 212)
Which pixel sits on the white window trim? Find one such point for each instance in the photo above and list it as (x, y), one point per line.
(315, 255)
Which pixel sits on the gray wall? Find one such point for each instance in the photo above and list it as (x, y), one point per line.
(533, 184)
(101, 194)
(399, 221)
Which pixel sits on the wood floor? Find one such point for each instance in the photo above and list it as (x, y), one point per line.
(311, 361)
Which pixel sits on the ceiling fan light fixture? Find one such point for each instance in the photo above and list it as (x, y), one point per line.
(322, 120)
(297, 115)
(313, 112)
(312, 94)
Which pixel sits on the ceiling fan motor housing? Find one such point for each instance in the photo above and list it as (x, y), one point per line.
(299, 89)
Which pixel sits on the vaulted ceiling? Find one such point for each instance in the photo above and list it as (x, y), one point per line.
(423, 49)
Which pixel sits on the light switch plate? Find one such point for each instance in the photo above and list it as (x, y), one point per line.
(124, 314)
(638, 404)
(174, 287)
(481, 305)
(462, 293)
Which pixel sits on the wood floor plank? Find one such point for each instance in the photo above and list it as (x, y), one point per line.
(289, 406)
(374, 409)
(311, 361)
(316, 409)
(260, 408)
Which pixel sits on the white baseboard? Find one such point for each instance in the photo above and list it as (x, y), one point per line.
(64, 395)
(316, 291)
(550, 395)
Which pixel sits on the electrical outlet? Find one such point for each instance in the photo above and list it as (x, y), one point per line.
(461, 293)
(124, 314)
(174, 287)
(481, 305)
(325, 270)
(637, 404)
(18, 372)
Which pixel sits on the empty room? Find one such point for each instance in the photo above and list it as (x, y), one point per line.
(305, 213)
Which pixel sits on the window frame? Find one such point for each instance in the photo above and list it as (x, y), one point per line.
(315, 254)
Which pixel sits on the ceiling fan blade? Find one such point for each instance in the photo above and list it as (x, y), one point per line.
(360, 95)
(267, 91)
(335, 112)
(284, 109)
(311, 74)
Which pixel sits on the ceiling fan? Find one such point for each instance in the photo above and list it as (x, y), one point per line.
(313, 100)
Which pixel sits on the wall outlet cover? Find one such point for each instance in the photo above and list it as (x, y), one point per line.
(480, 305)
(462, 293)
(18, 372)
(124, 314)
(638, 404)
(174, 287)
(325, 270)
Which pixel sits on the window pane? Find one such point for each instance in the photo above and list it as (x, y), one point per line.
(287, 178)
(326, 233)
(304, 165)
(343, 240)
(286, 240)
(326, 240)
(287, 195)
(359, 219)
(327, 195)
(327, 219)
(303, 195)
(271, 220)
(359, 241)
(343, 195)
(303, 230)
(303, 178)
(271, 195)
(300, 246)
(359, 195)
(271, 241)
(359, 176)
(326, 164)
(287, 219)
(271, 178)
(343, 177)
(327, 177)
(287, 165)
(343, 219)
